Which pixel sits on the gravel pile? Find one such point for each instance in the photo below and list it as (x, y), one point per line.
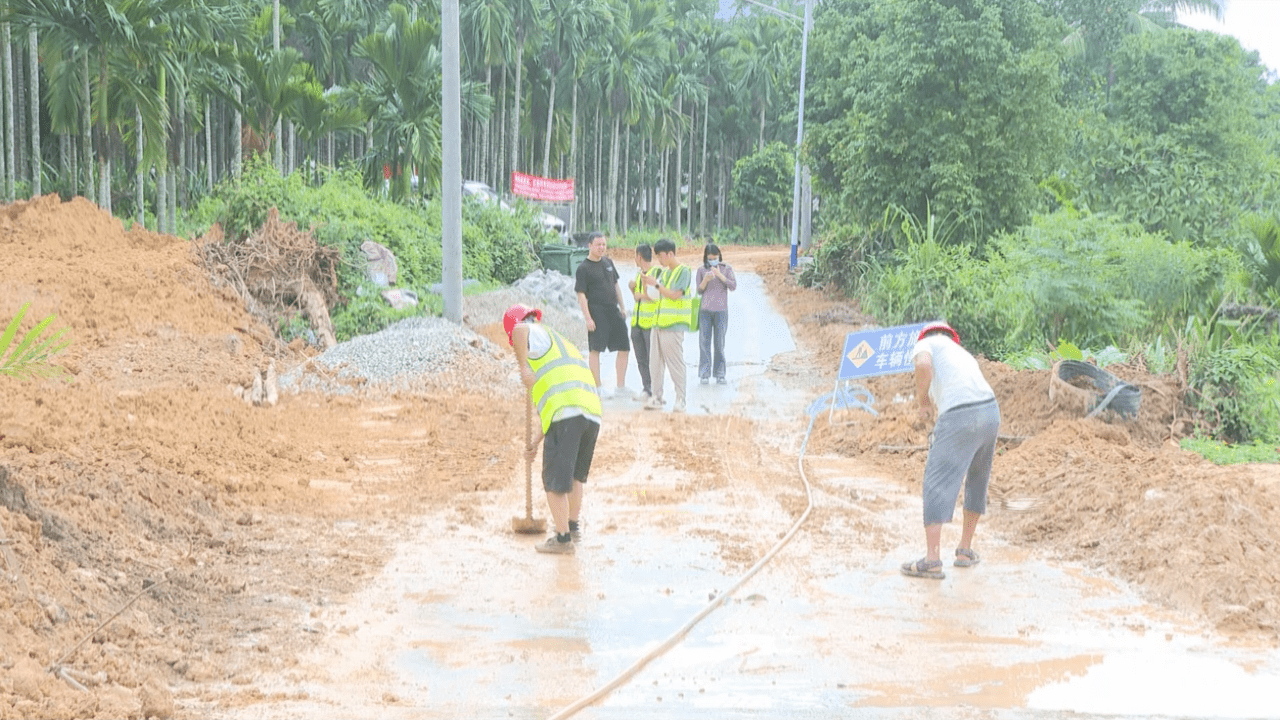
(430, 354)
(424, 354)
(547, 290)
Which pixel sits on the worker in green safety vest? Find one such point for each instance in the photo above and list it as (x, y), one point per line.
(644, 316)
(563, 391)
(675, 308)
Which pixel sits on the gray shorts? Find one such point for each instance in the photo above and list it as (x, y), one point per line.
(567, 453)
(964, 442)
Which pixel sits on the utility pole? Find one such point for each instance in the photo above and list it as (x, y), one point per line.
(451, 174)
(795, 193)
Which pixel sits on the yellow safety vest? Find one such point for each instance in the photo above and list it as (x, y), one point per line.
(675, 312)
(562, 379)
(646, 312)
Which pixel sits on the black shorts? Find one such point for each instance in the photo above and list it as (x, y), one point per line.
(567, 453)
(611, 333)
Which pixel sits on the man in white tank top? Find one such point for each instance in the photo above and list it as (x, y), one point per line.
(950, 386)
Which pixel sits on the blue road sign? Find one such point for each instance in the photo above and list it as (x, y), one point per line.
(885, 351)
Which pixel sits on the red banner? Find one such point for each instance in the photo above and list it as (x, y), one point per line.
(540, 188)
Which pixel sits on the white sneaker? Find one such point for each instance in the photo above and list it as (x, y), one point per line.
(653, 404)
(641, 396)
(621, 392)
(679, 408)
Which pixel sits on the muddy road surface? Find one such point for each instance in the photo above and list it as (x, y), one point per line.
(466, 620)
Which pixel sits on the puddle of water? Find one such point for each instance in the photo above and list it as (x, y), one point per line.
(1161, 681)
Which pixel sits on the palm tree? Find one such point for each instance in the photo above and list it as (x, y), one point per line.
(571, 25)
(526, 20)
(402, 100)
(628, 71)
(758, 58)
(487, 23)
(115, 34)
(318, 113)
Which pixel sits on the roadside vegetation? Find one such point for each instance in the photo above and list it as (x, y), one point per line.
(1045, 175)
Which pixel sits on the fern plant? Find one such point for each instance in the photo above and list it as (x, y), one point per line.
(31, 357)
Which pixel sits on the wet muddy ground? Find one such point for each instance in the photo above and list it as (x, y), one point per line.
(466, 620)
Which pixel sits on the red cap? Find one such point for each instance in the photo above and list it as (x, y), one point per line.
(515, 314)
(936, 326)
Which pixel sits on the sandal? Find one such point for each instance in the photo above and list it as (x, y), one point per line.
(924, 569)
(966, 558)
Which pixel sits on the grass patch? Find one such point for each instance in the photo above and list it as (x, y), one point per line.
(1220, 453)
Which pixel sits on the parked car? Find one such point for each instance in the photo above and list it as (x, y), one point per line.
(482, 192)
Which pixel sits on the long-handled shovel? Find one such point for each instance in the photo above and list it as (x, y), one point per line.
(528, 524)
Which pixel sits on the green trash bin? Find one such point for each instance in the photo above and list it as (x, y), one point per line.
(564, 259)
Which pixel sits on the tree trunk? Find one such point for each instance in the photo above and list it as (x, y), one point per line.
(208, 144)
(678, 168)
(643, 216)
(180, 197)
(702, 194)
(64, 159)
(140, 174)
(86, 134)
(664, 188)
(597, 180)
(760, 145)
(551, 115)
(613, 176)
(573, 158)
(275, 45)
(104, 137)
(37, 161)
(693, 135)
(500, 156)
(515, 104)
(237, 142)
(19, 112)
(9, 168)
(626, 184)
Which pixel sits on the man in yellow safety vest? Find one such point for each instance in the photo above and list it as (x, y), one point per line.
(644, 316)
(563, 391)
(675, 308)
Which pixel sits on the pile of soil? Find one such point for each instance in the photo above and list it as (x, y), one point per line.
(1114, 493)
(144, 487)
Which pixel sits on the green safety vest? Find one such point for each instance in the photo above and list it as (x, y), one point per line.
(646, 312)
(562, 379)
(675, 312)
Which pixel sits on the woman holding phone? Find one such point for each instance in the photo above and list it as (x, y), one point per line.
(715, 280)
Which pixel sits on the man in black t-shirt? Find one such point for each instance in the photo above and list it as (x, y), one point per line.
(600, 297)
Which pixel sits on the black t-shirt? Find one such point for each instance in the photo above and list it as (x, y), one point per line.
(598, 280)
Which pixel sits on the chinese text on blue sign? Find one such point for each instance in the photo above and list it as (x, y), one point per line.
(885, 351)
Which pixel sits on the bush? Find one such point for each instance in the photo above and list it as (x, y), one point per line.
(1095, 281)
(497, 244)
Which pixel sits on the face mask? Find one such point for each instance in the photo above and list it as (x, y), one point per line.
(713, 263)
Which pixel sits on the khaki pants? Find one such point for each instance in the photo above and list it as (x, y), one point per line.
(666, 352)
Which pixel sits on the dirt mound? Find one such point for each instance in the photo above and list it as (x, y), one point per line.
(1116, 493)
(145, 486)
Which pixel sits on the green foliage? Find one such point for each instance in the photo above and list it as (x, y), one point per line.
(1177, 147)
(1032, 359)
(1236, 388)
(951, 102)
(1096, 281)
(497, 243)
(762, 181)
(1220, 453)
(365, 312)
(840, 257)
(31, 357)
(926, 280)
(1264, 250)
